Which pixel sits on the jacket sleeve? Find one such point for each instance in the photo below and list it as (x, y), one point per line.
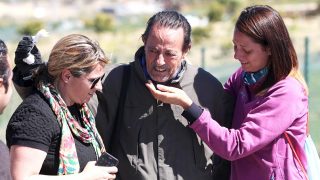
(284, 103)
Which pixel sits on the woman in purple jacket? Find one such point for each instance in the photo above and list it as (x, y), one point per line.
(271, 98)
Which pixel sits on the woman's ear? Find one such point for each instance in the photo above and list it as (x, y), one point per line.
(66, 75)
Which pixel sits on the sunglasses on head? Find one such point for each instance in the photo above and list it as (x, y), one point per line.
(95, 81)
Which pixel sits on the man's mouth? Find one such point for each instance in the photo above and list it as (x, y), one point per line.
(159, 69)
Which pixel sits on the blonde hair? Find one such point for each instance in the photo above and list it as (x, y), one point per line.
(77, 53)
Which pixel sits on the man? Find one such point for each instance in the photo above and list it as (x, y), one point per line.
(151, 139)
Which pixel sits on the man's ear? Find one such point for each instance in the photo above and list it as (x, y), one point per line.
(186, 51)
(66, 75)
(144, 39)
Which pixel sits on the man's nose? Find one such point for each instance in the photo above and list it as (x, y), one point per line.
(160, 59)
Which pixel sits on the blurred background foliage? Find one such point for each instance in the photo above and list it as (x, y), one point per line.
(118, 25)
(30, 27)
(100, 23)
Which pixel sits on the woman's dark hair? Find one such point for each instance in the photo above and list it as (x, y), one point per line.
(265, 26)
(5, 71)
(170, 19)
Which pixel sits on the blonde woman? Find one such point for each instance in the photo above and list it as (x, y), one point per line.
(52, 134)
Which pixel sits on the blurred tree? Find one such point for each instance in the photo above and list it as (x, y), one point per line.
(172, 4)
(232, 6)
(31, 27)
(101, 22)
(199, 34)
(220, 8)
(216, 10)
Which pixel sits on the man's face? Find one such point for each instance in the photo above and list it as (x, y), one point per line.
(163, 49)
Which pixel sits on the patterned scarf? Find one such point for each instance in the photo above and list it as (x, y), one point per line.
(68, 159)
(252, 78)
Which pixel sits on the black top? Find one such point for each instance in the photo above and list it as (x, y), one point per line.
(34, 125)
(5, 162)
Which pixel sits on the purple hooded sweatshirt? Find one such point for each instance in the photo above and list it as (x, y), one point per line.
(256, 145)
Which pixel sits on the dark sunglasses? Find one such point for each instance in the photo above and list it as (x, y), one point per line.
(95, 81)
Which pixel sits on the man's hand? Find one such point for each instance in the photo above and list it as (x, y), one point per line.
(170, 95)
